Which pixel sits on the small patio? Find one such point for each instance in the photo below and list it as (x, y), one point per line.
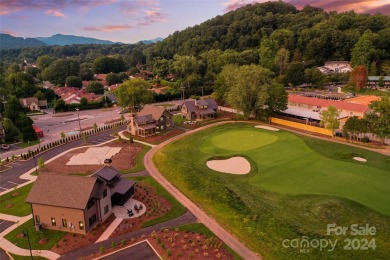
(134, 206)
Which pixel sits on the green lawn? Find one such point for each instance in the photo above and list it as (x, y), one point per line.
(35, 236)
(296, 187)
(19, 207)
(140, 161)
(178, 119)
(177, 208)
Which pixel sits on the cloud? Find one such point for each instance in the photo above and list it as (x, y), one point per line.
(234, 4)
(108, 28)
(384, 9)
(54, 13)
(13, 6)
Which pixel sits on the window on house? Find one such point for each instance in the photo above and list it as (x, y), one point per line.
(64, 223)
(92, 220)
(81, 225)
(161, 118)
(37, 219)
(105, 193)
(106, 208)
(53, 221)
(90, 203)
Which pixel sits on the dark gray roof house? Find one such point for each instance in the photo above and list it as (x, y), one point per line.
(199, 109)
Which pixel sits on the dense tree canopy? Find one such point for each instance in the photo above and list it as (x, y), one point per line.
(379, 117)
(133, 93)
(95, 87)
(74, 82)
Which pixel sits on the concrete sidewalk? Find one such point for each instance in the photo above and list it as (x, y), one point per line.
(109, 230)
(137, 141)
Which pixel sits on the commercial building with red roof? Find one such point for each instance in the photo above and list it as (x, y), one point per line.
(310, 108)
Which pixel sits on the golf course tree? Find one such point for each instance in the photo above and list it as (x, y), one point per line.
(133, 93)
(329, 118)
(277, 99)
(354, 127)
(245, 87)
(379, 118)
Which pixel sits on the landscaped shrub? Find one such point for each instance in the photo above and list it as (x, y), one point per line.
(101, 250)
(123, 242)
(113, 244)
(168, 252)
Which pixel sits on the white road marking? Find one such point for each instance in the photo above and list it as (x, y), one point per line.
(3, 188)
(13, 182)
(2, 222)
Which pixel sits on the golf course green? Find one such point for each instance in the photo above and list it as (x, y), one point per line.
(297, 185)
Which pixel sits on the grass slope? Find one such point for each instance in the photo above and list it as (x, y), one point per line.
(297, 188)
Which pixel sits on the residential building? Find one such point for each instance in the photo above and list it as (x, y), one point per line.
(199, 109)
(331, 67)
(150, 121)
(33, 103)
(73, 95)
(77, 204)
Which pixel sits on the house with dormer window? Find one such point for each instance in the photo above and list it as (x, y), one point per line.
(199, 109)
(150, 121)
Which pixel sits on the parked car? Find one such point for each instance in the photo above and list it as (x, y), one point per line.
(5, 147)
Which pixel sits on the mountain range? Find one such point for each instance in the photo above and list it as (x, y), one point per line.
(10, 42)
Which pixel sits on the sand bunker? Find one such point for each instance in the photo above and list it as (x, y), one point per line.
(234, 165)
(93, 156)
(360, 159)
(267, 128)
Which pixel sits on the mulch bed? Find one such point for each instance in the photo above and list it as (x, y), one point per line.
(156, 139)
(73, 241)
(156, 206)
(125, 159)
(176, 244)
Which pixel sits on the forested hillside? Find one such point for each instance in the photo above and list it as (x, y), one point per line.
(312, 33)
(7, 42)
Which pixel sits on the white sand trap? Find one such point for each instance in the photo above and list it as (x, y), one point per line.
(267, 128)
(234, 165)
(94, 155)
(360, 159)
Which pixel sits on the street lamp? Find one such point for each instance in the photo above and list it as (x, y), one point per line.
(25, 233)
(78, 115)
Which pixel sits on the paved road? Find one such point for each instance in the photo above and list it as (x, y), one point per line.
(186, 218)
(53, 124)
(141, 251)
(4, 225)
(10, 178)
(224, 235)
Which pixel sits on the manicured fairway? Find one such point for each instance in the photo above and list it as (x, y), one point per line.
(290, 166)
(297, 186)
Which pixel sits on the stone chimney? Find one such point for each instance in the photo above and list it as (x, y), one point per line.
(133, 127)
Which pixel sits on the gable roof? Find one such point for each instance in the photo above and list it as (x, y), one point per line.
(192, 104)
(155, 111)
(26, 102)
(107, 173)
(62, 190)
(342, 105)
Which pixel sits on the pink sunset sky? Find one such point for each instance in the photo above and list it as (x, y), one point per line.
(129, 21)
